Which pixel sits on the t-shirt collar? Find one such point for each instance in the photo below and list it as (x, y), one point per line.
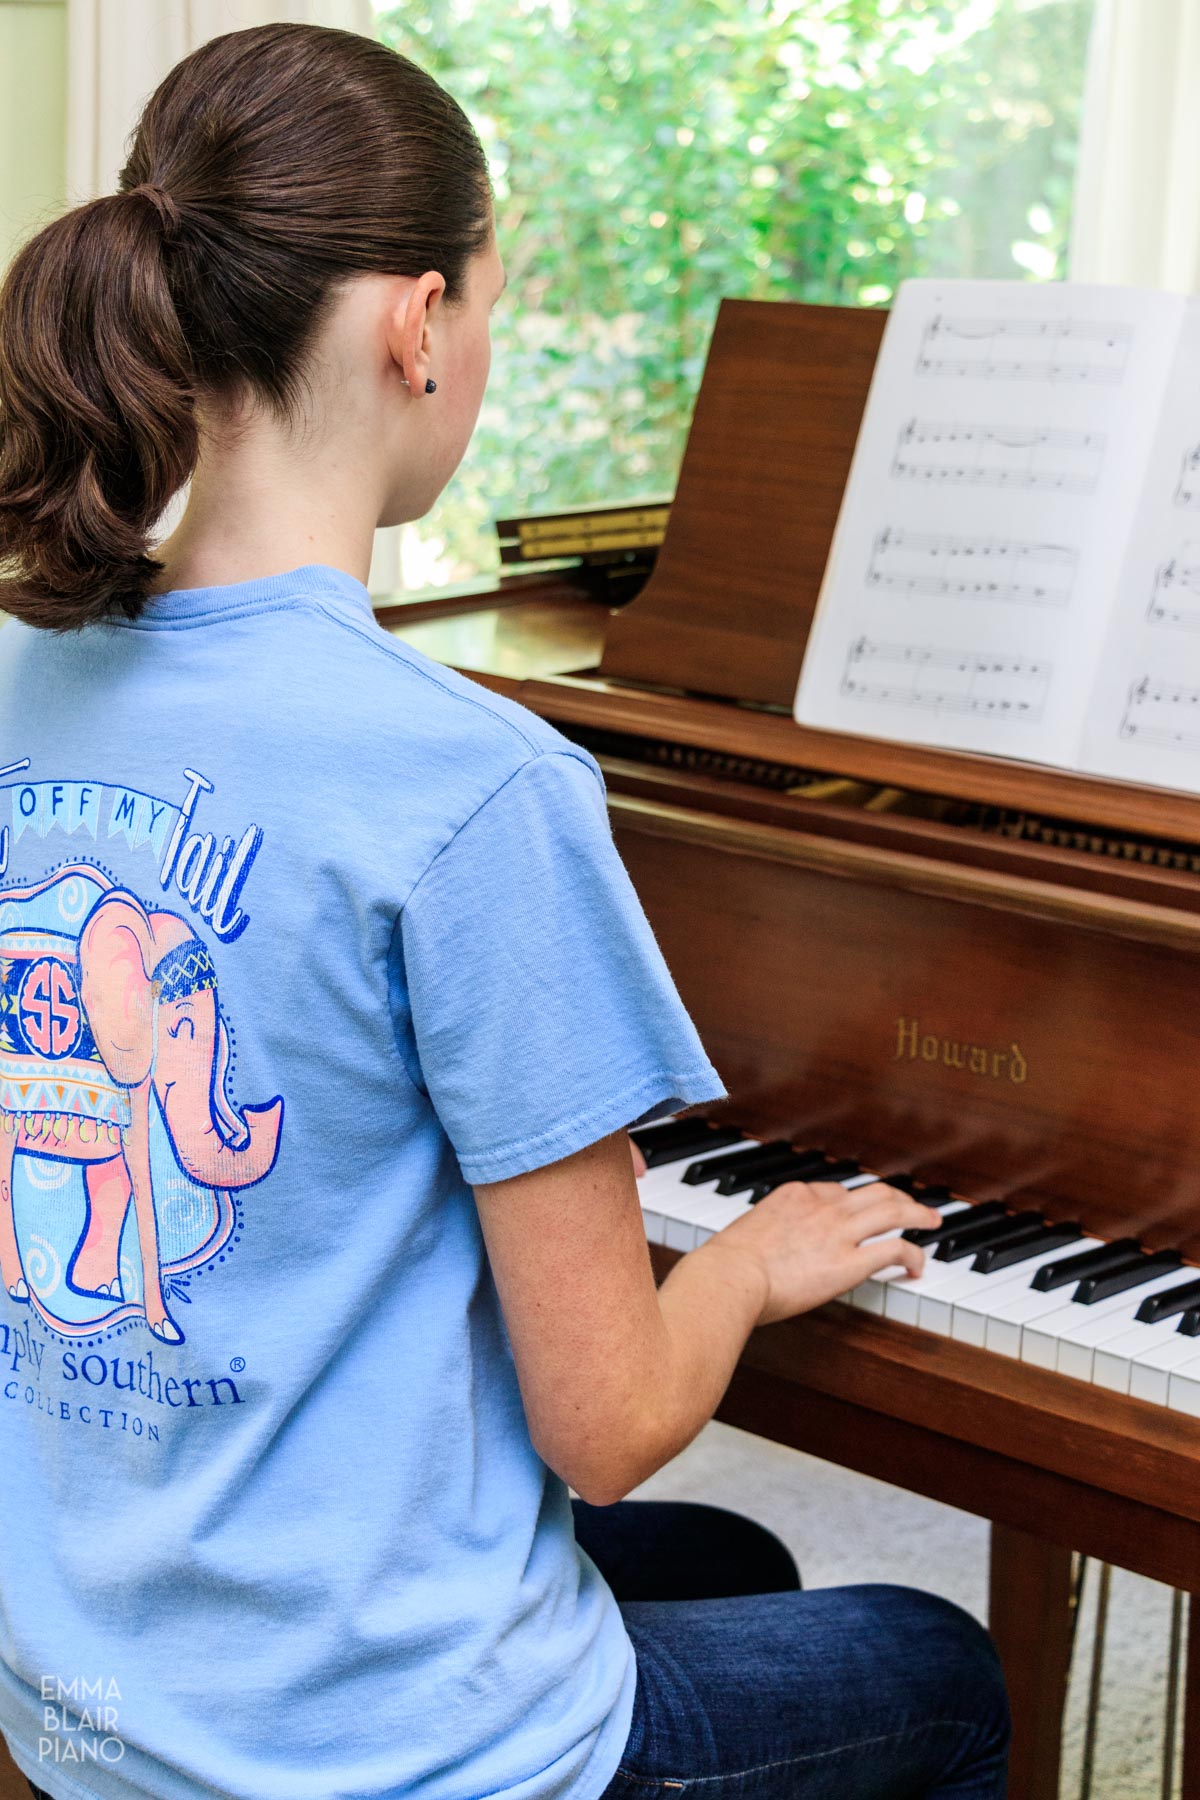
(260, 594)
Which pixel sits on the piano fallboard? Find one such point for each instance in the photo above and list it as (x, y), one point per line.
(965, 1033)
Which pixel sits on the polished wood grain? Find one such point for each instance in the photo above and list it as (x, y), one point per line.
(847, 1011)
(761, 482)
(522, 640)
(914, 833)
(1191, 1702)
(1029, 1610)
(909, 872)
(547, 589)
(741, 731)
(13, 1785)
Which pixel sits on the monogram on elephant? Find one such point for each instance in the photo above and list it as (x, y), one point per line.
(114, 1057)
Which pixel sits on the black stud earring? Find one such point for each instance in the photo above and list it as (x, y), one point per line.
(431, 387)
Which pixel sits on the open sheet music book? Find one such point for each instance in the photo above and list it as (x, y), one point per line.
(1016, 566)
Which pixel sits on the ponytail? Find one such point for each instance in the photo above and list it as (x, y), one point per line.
(97, 424)
(268, 166)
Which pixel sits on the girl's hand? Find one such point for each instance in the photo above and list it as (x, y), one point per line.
(808, 1241)
(639, 1161)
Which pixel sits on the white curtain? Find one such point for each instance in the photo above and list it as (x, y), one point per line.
(1137, 202)
(117, 53)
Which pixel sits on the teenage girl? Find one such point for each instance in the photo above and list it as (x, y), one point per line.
(325, 1006)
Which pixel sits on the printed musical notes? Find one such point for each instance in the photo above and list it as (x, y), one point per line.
(1176, 597)
(1053, 350)
(1163, 713)
(1187, 492)
(957, 681)
(1043, 458)
(941, 565)
(1017, 487)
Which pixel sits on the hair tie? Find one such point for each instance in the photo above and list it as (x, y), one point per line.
(163, 204)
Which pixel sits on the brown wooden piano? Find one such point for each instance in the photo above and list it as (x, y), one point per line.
(840, 914)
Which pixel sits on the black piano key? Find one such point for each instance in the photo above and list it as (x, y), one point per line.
(1034, 1242)
(803, 1165)
(970, 1238)
(929, 1194)
(1135, 1273)
(686, 1150)
(933, 1234)
(1189, 1325)
(764, 1157)
(737, 1181)
(669, 1131)
(1088, 1262)
(822, 1171)
(1164, 1306)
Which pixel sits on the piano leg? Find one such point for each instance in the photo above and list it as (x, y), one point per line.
(1190, 1789)
(1029, 1614)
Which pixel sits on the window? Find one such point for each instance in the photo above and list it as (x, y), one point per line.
(651, 156)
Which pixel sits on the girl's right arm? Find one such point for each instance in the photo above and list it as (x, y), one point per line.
(616, 1375)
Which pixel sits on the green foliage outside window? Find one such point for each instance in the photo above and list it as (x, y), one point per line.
(651, 156)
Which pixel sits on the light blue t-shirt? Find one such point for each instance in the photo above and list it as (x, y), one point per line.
(300, 934)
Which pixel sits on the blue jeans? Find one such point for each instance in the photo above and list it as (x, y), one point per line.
(749, 1688)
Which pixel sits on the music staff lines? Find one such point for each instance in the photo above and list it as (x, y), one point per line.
(1036, 458)
(1059, 350)
(1187, 490)
(1175, 600)
(941, 565)
(951, 681)
(1165, 714)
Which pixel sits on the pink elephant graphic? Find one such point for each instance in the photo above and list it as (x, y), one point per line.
(100, 1021)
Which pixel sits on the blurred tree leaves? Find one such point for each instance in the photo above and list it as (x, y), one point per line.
(650, 156)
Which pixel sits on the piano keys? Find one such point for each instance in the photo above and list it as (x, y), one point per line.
(1122, 1318)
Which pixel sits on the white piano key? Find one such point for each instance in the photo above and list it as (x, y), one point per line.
(1064, 1340)
(937, 1307)
(654, 1225)
(1115, 1360)
(1077, 1351)
(1183, 1390)
(905, 1298)
(904, 1293)
(868, 1295)
(668, 1177)
(699, 1210)
(1010, 1316)
(992, 1294)
(1150, 1376)
(892, 1292)
(733, 1206)
(666, 1198)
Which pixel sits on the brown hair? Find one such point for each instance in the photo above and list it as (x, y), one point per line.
(270, 165)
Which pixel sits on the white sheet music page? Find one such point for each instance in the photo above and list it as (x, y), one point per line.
(1144, 721)
(987, 510)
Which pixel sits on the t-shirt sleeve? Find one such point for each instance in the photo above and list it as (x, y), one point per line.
(540, 1012)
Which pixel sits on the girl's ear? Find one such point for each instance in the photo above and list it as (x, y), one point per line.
(116, 955)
